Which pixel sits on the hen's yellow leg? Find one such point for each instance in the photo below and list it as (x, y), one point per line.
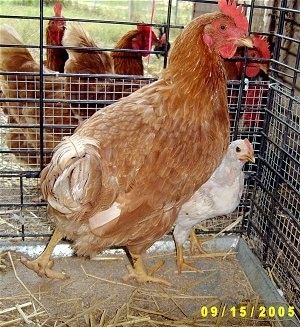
(197, 244)
(139, 272)
(181, 264)
(42, 265)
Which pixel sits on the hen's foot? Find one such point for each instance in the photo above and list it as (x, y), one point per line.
(184, 266)
(140, 274)
(43, 269)
(143, 277)
(42, 265)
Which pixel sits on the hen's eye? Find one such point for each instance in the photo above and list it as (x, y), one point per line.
(238, 149)
(223, 27)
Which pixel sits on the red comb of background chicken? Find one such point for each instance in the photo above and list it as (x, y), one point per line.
(144, 28)
(57, 8)
(231, 9)
(262, 45)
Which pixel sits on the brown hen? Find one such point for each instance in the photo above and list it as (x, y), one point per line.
(131, 62)
(122, 177)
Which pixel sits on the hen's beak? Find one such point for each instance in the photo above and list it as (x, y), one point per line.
(246, 42)
(264, 67)
(248, 157)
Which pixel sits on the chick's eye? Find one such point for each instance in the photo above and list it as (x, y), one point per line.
(238, 149)
(223, 27)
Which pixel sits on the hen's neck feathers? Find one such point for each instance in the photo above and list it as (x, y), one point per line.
(126, 43)
(190, 47)
(202, 73)
(127, 63)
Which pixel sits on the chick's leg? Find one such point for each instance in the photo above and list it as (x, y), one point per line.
(42, 265)
(197, 244)
(181, 264)
(140, 274)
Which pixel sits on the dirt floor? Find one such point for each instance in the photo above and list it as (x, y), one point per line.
(95, 294)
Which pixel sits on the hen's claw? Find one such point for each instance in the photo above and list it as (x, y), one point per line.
(140, 274)
(184, 266)
(143, 277)
(43, 269)
(181, 264)
(196, 245)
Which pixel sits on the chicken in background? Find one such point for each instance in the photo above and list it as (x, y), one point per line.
(88, 93)
(87, 61)
(56, 57)
(255, 95)
(82, 92)
(162, 43)
(220, 195)
(234, 68)
(25, 141)
(128, 62)
(253, 70)
(122, 177)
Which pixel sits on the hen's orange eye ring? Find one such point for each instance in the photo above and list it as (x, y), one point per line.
(223, 27)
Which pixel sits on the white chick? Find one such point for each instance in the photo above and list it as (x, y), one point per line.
(220, 195)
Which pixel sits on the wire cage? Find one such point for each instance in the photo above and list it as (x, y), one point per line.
(32, 123)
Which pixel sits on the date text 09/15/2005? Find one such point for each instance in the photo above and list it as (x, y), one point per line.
(248, 311)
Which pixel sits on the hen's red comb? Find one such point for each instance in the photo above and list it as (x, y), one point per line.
(231, 9)
(262, 45)
(57, 8)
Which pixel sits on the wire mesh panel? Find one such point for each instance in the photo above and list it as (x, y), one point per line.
(34, 125)
(274, 226)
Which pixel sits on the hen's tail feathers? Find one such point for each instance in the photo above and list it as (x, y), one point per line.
(76, 181)
(76, 36)
(84, 60)
(12, 58)
(9, 35)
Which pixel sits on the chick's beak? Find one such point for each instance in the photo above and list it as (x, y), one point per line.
(245, 42)
(248, 157)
